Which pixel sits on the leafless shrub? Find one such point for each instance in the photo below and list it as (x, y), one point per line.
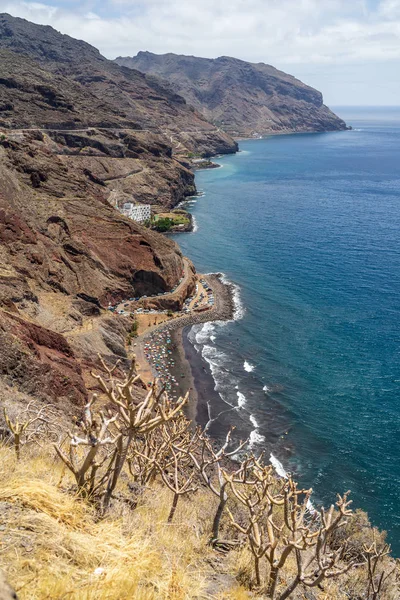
(276, 528)
(87, 459)
(378, 573)
(208, 460)
(154, 447)
(32, 424)
(107, 440)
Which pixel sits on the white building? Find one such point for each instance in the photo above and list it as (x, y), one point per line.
(137, 212)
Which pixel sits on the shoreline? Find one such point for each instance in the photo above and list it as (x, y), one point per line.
(185, 369)
(265, 135)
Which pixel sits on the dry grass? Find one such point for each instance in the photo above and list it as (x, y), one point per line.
(53, 548)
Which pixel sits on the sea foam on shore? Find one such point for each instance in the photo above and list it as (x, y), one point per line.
(248, 366)
(203, 338)
(239, 309)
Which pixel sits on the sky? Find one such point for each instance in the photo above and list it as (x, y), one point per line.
(347, 49)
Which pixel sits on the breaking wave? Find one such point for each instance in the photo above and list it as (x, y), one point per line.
(248, 367)
(280, 470)
(241, 400)
(239, 309)
(278, 466)
(255, 437)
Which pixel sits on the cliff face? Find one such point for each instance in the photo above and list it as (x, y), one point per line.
(240, 97)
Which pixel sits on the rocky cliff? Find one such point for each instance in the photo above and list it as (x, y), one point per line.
(241, 97)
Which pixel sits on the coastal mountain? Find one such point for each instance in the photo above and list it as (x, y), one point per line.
(242, 98)
(120, 97)
(80, 135)
(65, 254)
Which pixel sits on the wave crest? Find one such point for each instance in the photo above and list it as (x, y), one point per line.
(248, 367)
(241, 400)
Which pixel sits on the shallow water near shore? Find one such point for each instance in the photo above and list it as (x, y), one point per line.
(308, 226)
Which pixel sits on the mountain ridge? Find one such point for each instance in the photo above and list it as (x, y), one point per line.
(130, 97)
(242, 98)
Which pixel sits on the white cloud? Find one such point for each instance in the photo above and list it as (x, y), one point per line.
(390, 9)
(280, 32)
(286, 31)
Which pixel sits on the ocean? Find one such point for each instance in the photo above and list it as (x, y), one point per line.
(308, 227)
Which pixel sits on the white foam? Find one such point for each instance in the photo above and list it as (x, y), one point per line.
(238, 310)
(266, 388)
(278, 466)
(310, 507)
(215, 359)
(248, 367)
(241, 400)
(255, 438)
(204, 333)
(192, 336)
(195, 226)
(213, 355)
(280, 470)
(253, 421)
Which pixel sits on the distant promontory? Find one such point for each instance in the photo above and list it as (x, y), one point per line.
(242, 98)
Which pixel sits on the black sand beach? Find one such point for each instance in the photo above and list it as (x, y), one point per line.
(193, 373)
(190, 371)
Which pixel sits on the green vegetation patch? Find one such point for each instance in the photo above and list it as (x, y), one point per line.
(167, 221)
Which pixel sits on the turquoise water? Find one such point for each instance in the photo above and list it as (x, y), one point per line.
(308, 227)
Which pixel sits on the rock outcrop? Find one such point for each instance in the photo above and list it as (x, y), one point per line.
(40, 362)
(241, 98)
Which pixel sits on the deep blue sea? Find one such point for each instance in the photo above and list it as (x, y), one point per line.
(308, 227)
